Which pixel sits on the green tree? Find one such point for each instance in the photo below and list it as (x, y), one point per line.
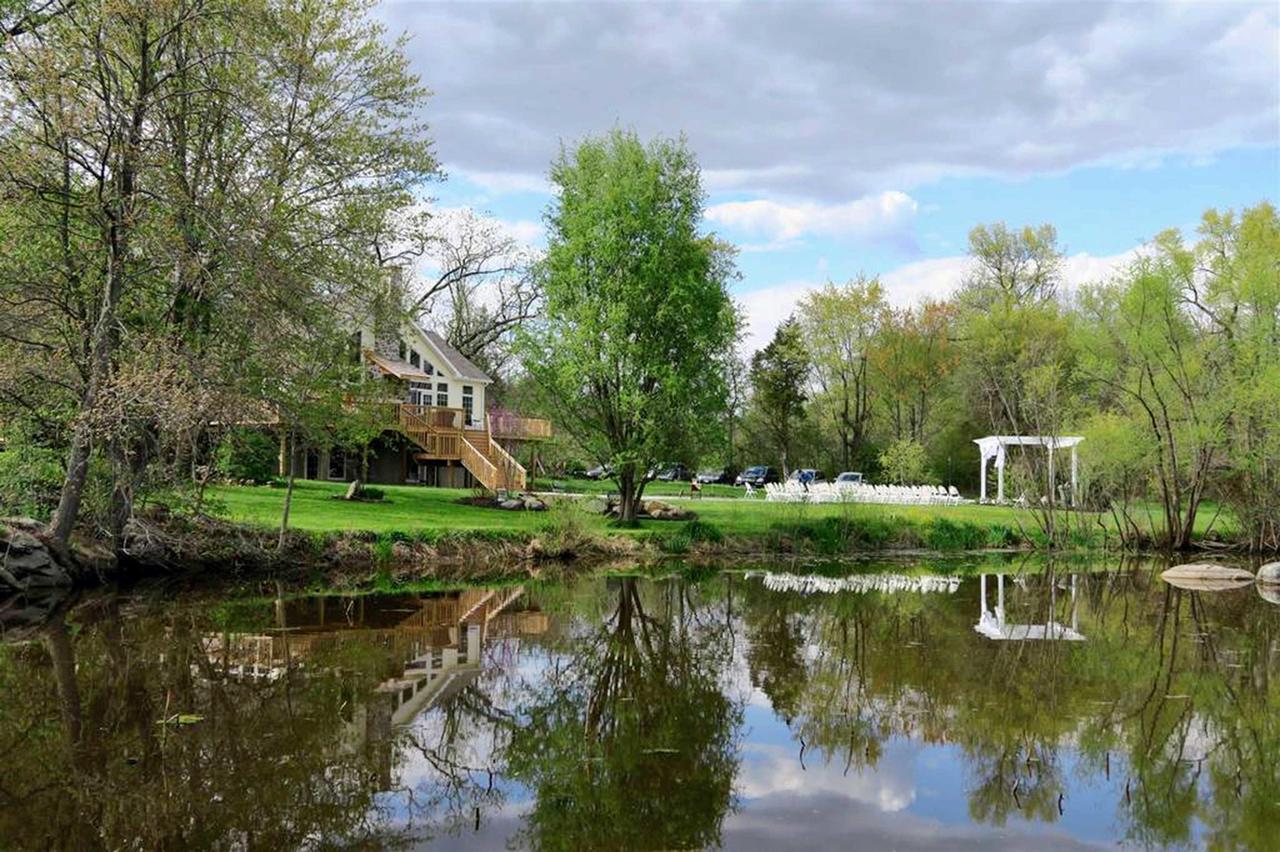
(185, 179)
(912, 359)
(639, 325)
(839, 323)
(779, 378)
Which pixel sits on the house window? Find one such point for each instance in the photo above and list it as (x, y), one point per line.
(415, 359)
(442, 395)
(419, 393)
(353, 346)
(400, 350)
(427, 368)
(468, 405)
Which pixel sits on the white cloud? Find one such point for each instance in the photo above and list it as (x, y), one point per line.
(770, 770)
(886, 214)
(503, 183)
(818, 104)
(526, 231)
(764, 309)
(910, 284)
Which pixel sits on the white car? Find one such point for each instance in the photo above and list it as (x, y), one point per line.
(849, 478)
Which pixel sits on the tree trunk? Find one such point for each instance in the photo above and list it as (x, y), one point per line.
(64, 517)
(119, 223)
(288, 494)
(58, 645)
(627, 497)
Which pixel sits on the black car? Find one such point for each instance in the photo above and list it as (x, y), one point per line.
(756, 476)
(675, 473)
(716, 476)
(603, 471)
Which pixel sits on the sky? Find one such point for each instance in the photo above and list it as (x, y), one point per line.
(845, 138)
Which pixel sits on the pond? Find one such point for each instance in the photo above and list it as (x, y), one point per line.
(791, 706)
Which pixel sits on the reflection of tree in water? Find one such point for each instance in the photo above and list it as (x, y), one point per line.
(89, 766)
(630, 738)
(1173, 700)
(461, 784)
(775, 647)
(1202, 732)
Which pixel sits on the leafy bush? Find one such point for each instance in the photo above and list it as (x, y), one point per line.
(904, 462)
(30, 480)
(945, 534)
(247, 454)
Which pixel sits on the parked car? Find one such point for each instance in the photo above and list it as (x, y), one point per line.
(603, 471)
(810, 473)
(756, 476)
(849, 477)
(675, 473)
(716, 476)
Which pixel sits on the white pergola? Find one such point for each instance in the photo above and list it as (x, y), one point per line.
(993, 447)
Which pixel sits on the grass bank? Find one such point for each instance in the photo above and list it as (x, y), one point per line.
(434, 516)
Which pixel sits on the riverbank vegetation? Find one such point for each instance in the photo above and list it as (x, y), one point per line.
(185, 252)
(722, 527)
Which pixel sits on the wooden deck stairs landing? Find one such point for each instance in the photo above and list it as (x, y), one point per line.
(438, 433)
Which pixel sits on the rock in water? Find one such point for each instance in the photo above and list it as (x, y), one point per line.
(1205, 577)
(1269, 574)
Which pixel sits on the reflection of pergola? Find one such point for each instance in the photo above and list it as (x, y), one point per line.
(993, 447)
(992, 625)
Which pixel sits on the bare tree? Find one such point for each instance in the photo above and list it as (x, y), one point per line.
(479, 290)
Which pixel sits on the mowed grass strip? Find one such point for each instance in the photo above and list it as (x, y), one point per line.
(416, 510)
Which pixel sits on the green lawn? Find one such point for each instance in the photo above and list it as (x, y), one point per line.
(653, 489)
(413, 509)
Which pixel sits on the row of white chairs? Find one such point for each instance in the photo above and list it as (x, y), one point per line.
(849, 492)
(888, 583)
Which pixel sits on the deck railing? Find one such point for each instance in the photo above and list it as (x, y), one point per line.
(481, 468)
(439, 432)
(438, 416)
(512, 427)
(514, 477)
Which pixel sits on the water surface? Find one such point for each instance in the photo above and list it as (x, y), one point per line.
(771, 709)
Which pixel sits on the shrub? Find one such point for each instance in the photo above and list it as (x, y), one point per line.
(30, 480)
(904, 462)
(703, 531)
(247, 454)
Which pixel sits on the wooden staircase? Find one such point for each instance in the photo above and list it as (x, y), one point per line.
(440, 437)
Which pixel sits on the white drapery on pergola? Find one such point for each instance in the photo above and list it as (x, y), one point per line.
(993, 447)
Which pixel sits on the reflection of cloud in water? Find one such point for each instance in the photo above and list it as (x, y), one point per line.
(832, 821)
(771, 770)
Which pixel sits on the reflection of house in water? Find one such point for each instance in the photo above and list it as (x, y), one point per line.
(422, 650)
(432, 644)
(992, 623)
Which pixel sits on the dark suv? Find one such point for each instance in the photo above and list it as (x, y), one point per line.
(757, 476)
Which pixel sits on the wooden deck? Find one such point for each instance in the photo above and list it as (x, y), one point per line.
(440, 434)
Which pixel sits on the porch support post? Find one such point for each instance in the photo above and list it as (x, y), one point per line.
(1051, 485)
(1075, 488)
(982, 476)
(999, 481)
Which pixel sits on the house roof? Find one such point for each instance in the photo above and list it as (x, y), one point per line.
(456, 361)
(395, 367)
